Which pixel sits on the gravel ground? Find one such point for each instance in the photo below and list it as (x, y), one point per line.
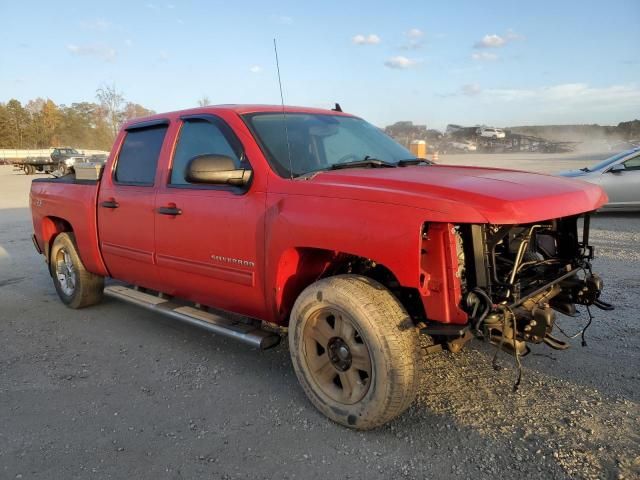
(114, 391)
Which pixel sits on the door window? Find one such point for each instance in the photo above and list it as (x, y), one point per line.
(138, 156)
(632, 163)
(200, 137)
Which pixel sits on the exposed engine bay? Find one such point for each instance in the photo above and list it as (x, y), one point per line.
(516, 277)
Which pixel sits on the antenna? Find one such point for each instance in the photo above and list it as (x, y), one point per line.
(284, 115)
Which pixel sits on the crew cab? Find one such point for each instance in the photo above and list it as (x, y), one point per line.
(316, 224)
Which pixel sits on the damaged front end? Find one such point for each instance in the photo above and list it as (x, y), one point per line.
(514, 278)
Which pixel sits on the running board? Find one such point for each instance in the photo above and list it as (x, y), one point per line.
(249, 334)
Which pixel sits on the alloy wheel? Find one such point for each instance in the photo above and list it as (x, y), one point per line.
(337, 356)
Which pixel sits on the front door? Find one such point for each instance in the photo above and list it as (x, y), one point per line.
(126, 202)
(623, 187)
(209, 239)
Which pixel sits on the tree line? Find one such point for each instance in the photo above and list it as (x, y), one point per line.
(40, 123)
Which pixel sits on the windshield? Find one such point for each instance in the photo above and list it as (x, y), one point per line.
(604, 163)
(321, 141)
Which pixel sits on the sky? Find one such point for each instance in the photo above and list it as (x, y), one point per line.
(500, 63)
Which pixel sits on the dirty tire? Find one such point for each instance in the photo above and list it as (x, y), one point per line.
(87, 287)
(387, 383)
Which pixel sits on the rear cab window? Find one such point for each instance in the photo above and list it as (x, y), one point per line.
(138, 157)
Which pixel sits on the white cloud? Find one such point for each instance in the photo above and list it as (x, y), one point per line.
(471, 89)
(572, 97)
(468, 90)
(101, 52)
(414, 39)
(490, 41)
(99, 25)
(371, 39)
(562, 103)
(400, 62)
(282, 19)
(484, 56)
(255, 69)
(496, 41)
(163, 56)
(511, 35)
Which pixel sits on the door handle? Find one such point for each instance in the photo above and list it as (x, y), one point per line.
(111, 203)
(170, 211)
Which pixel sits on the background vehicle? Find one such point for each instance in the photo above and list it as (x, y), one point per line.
(461, 146)
(66, 158)
(60, 159)
(327, 227)
(97, 158)
(490, 132)
(619, 176)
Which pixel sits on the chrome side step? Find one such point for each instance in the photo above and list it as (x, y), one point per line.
(249, 334)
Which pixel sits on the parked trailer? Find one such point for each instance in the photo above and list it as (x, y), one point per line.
(61, 159)
(32, 165)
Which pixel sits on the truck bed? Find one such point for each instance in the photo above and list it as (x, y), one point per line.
(54, 199)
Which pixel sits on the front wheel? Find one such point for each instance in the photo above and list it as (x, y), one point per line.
(76, 286)
(354, 349)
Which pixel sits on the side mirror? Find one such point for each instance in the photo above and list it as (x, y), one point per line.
(216, 170)
(618, 168)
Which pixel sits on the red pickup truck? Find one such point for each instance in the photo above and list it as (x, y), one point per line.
(316, 222)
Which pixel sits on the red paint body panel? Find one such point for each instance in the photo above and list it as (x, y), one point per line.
(74, 205)
(441, 289)
(126, 233)
(253, 252)
(463, 194)
(381, 232)
(193, 249)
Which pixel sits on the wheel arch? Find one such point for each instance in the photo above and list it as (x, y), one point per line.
(50, 228)
(298, 267)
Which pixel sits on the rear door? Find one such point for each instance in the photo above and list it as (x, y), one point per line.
(210, 239)
(126, 214)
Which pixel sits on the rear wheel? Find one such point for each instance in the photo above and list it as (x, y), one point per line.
(76, 286)
(63, 170)
(354, 349)
(29, 169)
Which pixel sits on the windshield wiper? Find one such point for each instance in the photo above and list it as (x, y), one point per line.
(365, 162)
(414, 161)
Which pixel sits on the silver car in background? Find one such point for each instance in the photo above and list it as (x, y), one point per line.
(619, 176)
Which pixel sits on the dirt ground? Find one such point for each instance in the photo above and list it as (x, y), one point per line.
(114, 391)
